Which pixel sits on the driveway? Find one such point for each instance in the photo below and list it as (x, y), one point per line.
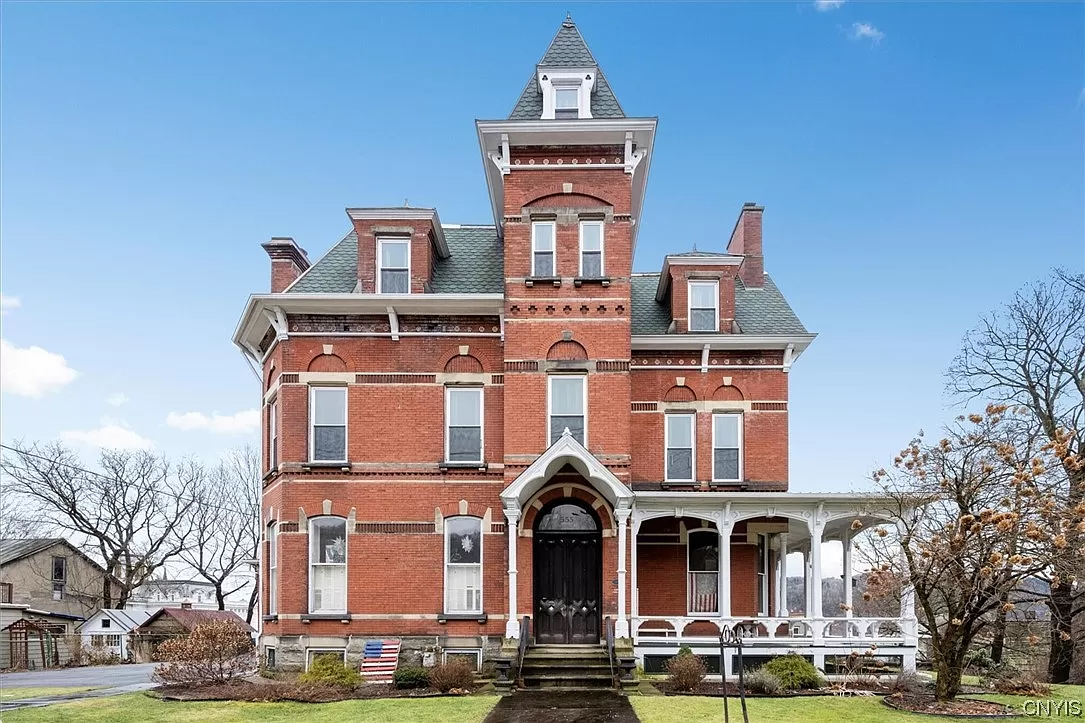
(112, 679)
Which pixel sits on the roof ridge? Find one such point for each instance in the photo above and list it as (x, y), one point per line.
(567, 23)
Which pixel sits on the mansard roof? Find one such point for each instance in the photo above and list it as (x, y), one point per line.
(567, 50)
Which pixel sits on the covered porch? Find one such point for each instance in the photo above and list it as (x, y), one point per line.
(704, 561)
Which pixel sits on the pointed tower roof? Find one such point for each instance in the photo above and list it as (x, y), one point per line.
(567, 50)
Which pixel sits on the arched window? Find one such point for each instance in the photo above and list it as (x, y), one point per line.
(463, 565)
(704, 565)
(272, 569)
(328, 565)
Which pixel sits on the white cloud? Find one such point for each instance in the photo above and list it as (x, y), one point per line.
(7, 303)
(240, 423)
(116, 400)
(866, 31)
(827, 5)
(32, 371)
(111, 435)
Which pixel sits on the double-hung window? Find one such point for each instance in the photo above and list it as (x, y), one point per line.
(463, 565)
(566, 101)
(273, 435)
(272, 569)
(704, 298)
(542, 249)
(60, 577)
(591, 249)
(680, 434)
(328, 418)
(463, 425)
(703, 574)
(394, 272)
(327, 565)
(568, 402)
(726, 447)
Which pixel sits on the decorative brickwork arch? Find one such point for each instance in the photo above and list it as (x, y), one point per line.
(464, 363)
(567, 350)
(680, 394)
(272, 375)
(562, 490)
(327, 363)
(584, 195)
(727, 393)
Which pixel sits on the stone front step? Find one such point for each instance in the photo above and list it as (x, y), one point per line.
(567, 667)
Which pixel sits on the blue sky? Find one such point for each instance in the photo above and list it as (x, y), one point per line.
(918, 163)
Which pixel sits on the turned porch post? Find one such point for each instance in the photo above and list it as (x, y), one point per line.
(816, 526)
(512, 518)
(845, 541)
(634, 602)
(621, 625)
(725, 527)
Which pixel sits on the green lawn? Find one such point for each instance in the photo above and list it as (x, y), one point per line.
(137, 708)
(23, 693)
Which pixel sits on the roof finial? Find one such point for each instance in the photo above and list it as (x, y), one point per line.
(694, 245)
(406, 203)
(568, 22)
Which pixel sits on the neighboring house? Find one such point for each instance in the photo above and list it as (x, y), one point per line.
(198, 594)
(107, 630)
(31, 638)
(51, 574)
(170, 623)
(467, 425)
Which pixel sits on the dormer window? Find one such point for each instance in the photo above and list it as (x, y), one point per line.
(566, 93)
(566, 102)
(704, 297)
(394, 271)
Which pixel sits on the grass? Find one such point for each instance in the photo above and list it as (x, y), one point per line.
(138, 708)
(683, 709)
(24, 693)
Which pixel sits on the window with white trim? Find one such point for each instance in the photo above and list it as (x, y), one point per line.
(273, 435)
(463, 565)
(703, 560)
(394, 267)
(680, 435)
(272, 569)
(704, 302)
(591, 249)
(328, 421)
(543, 259)
(463, 424)
(566, 101)
(327, 565)
(726, 447)
(568, 407)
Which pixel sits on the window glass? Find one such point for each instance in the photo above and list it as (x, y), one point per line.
(463, 565)
(59, 568)
(567, 517)
(329, 424)
(680, 446)
(394, 254)
(703, 299)
(464, 539)
(567, 407)
(543, 256)
(464, 425)
(704, 552)
(565, 98)
(591, 249)
(328, 540)
(726, 450)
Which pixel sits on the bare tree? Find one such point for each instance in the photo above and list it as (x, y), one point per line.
(976, 522)
(17, 520)
(1031, 353)
(223, 527)
(125, 515)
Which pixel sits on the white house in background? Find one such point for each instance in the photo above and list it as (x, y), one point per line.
(108, 630)
(197, 594)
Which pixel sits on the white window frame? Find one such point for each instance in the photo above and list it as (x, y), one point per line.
(550, 403)
(553, 242)
(692, 421)
(689, 602)
(311, 653)
(464, 651)
(380, 258)
(346, 558)
(482, 423)
(272, 568)
(602, 247)
(689, 304)
(481, 568)
(741, 439)
(273, 435)
(312, 423)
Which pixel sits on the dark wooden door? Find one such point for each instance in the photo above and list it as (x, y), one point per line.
(568, 586)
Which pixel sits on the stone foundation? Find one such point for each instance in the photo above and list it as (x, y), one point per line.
(415, 650)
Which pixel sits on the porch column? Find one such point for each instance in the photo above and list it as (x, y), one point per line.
(909, 623)
(781, 580)
(725, 527)
(621, 625)
(816, 526)
(845, 542)
(634, 601)
(805, 552)
(512, 517)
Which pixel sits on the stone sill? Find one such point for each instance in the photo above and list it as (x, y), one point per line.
(532, 280)
(270, 618)
(601, 280)
(445, 617)
(462, 465)
(341, 617)
(345, 466)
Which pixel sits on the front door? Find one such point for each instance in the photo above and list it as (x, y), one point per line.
(568, 580)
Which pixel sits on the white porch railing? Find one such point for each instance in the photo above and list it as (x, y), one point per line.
(775, 631)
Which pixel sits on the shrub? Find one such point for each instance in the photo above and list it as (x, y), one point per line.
(794, 672)
(1007, 680)
(329, 669)
(411, 677)
(908, 683)
(762, 681)
(685, 671)
(978, 661)
(456, 674)
(685, 650)
(215, 652)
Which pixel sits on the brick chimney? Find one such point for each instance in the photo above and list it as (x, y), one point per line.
(746, 241)
(288, 262)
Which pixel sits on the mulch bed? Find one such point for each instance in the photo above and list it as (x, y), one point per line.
(957, 708)
(273, 692)
(715, 690)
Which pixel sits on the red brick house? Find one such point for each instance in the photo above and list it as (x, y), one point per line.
(469, 424)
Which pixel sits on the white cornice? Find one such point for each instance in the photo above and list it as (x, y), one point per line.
(404, 214)
(721, 342)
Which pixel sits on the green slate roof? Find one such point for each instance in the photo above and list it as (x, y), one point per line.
(568, 50)
(757, 311)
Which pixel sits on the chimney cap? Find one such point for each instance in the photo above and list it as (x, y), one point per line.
(752, 206)
(284, 248)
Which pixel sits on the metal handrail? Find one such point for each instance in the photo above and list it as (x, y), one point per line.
(608, 627)
(524, 625)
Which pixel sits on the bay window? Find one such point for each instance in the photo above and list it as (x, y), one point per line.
(726, 447)
(463, 425)
(463, 565)
(327, 565)
(328, 422)
(680, 434)
(568, 402)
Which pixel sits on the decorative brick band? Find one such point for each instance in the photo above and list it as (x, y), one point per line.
(371, 378)
(497, 528)
(644, 406)
(288, 527)
(521, 366)
(288, 379)
(769, 406)
(611, 366)
(393, 528)
(497, 379)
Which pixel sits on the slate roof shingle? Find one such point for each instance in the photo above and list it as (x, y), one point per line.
(12, 549)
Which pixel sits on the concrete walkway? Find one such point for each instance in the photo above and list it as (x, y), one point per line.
(563, 706)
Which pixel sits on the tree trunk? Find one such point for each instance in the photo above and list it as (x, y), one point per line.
(949, 666)
(253, 599)
(219, 597)
(1059, 663)
(998, 640)
(107, 591)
